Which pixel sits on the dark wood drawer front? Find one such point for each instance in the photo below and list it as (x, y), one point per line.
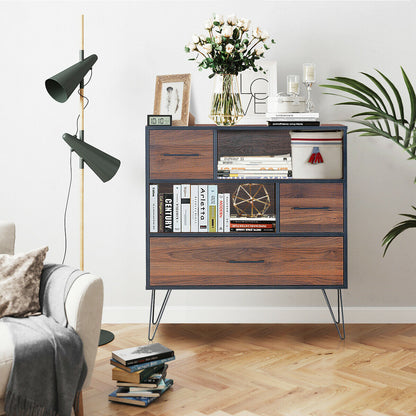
(311, 207)
(246, 261)
(181, 154)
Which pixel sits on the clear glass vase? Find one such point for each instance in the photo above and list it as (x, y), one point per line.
(226, 108)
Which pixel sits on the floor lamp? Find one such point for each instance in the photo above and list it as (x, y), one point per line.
(60, 87)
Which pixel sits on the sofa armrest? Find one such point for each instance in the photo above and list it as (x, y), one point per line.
(84, 305)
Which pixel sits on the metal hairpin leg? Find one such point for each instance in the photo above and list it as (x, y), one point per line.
(152, 321)
(339, 323)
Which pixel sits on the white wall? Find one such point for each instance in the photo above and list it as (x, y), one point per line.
(135, 41)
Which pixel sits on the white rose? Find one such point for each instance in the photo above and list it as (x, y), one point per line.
(257, 33)
(191, 46)
(209, 24)
(208, 47)
(195, 39)
(219, 18)
(218, 39)
(227, 31)
(260, 50)
(264, 35)
(232, 19)
(229, 48)
(244, 24)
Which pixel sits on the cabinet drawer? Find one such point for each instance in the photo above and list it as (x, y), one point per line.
(246, 261)
(181, 154)
(311, 207)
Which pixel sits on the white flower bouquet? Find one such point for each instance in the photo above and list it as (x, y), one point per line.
(228, 46)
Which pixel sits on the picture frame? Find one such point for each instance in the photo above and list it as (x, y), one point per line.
(172, 97)
(255, 88)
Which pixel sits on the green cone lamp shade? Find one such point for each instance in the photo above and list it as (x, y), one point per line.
(61, 86)
(101, 163)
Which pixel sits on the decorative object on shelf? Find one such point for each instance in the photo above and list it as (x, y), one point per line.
(172, 95)
(159, 120)
(382, 119)
(292, 85)
(228, 48)
(309, 77)
(251, 200)
(255, 89)
(60, 87)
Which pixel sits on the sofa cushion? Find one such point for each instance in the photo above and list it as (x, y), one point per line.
(19, 282)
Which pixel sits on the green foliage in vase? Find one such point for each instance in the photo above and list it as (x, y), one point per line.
(228, 46)
(383, 114)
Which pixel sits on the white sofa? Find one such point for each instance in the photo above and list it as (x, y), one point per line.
(83, 306)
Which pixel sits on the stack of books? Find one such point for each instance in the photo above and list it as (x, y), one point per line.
(140, 374)
(293, 119)
(246, 224)
(255, 167)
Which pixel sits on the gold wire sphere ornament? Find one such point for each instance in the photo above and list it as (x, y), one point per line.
(251, 200)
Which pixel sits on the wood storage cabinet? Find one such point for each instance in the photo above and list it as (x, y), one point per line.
(307, 247)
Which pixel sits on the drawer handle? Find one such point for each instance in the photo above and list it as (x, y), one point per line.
(181, 154)
(245, 261)
(325, 208)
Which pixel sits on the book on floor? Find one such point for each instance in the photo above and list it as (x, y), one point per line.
(141, 376)
(142, 354)
(138, 400)
(137, 367)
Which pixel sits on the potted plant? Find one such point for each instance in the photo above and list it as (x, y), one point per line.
(383, 114)
(227, 47)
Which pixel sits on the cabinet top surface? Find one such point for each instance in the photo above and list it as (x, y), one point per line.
(250, 127)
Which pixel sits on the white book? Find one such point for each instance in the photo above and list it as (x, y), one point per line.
(212, 208)
(220, 213)
(203, 208)
(186, 208)
(307, 116)
(176, 208)
(194, 208)
(153, 208)
(270, 158)
(227, 216)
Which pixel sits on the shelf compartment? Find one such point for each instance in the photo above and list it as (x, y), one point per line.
(276, 261)
(181, 154)
(311, 207)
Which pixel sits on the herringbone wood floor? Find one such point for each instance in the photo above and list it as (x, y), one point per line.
(276, 370)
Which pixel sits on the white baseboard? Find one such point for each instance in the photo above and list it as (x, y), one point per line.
(183, 314)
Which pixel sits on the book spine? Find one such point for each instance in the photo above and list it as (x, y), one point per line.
(142, 366)
(176, 208)
(220, 216)
(194, 209)
(251, 225)
(227, 216)
(293, 123)
(168, 212)
(239, 230)
(186, 208)
(161, 220)
(203, 208)
(212, 207)
(153, 208)
(152, 358)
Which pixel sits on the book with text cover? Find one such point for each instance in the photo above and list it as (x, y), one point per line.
(227, 213)
(153, 208)
(203, 208)
(176, 208)
(212, 208)
(142, 354)
(138, 367)
(194, 208)
(168, 213)
(138, 377)
(186, 208)
(220, 213)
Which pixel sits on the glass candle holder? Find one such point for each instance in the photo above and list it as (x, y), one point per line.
(293, 85)
(308, 78)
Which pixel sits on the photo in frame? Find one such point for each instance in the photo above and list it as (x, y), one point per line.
(172, 96)
(255, 88)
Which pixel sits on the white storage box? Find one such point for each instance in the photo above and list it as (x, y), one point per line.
(316, 154)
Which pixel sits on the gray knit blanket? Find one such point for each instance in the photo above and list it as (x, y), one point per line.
(49, 367)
